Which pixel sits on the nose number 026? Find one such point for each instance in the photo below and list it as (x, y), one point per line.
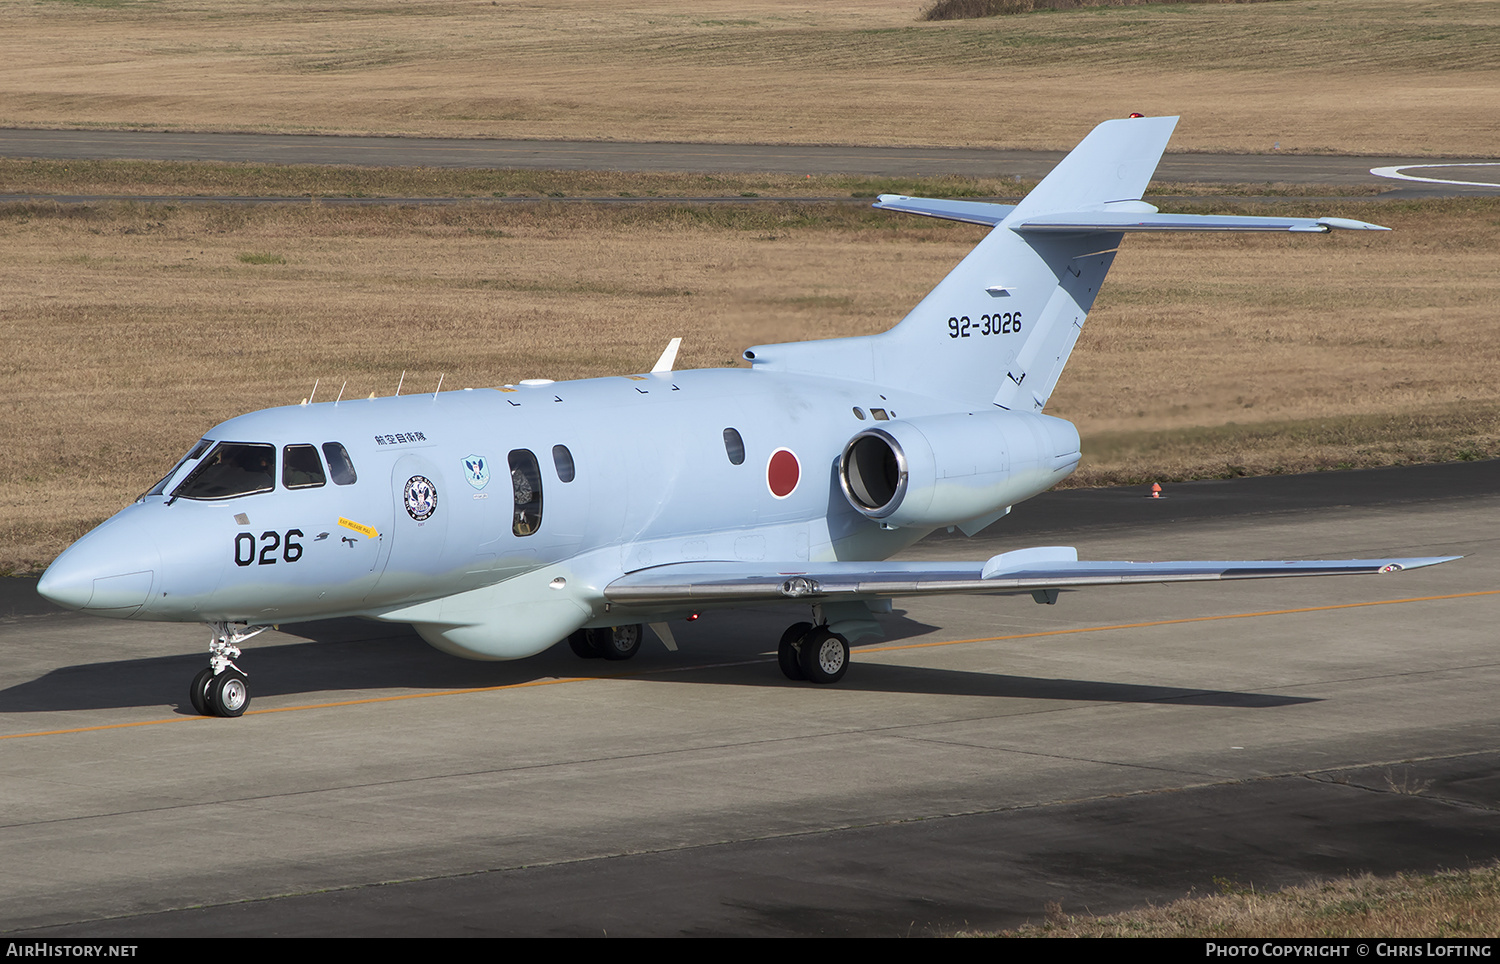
(245, 548)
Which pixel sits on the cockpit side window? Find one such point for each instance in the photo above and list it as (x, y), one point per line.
(193, 455)
(232, 469)
(340, 466)
(526, 483)
(300, 467)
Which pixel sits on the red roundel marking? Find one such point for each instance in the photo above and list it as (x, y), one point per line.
(782, 473)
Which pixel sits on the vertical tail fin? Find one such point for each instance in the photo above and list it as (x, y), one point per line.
(1114, 163)
(999, 328)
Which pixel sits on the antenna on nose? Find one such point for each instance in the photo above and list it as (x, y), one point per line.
(310, 395)
(341, 393)
(401, 382)
(440, 386)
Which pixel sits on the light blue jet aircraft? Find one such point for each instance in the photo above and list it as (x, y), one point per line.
(499, 522)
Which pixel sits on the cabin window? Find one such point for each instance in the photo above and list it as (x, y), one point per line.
(859, 413)
(562, 460)
(339, 464)
(301, 468)
(879, 414)
(734, 447)
(526, 483)
(231, 470)
(193, 455)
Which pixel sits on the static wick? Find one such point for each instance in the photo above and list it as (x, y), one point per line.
(400, 383)
(439, 388)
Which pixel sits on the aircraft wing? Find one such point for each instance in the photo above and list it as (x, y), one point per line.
(1021, 571)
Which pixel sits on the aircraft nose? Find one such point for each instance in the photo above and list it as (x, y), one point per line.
(108, 572)
(67, 585)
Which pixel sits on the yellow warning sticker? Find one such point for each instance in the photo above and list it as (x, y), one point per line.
(369, 532)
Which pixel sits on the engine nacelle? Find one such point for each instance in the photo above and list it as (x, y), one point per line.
(941, 470)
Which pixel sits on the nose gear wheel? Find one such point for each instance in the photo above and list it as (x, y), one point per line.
(221, 689)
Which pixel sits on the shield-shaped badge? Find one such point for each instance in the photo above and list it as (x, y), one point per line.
(477, 470)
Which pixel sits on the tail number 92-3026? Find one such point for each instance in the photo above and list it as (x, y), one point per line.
(997, 324)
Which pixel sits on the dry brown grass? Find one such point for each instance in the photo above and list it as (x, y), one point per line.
(133, 328)
(1224, 331)
(1462, 904)
(1387, 76)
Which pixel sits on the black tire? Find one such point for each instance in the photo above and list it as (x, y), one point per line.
(824, 656)
(228, 695)
(619, 642)
(582, 644)
(198, 691)
(786, 651)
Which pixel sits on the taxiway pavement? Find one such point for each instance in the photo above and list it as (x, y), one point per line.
(989, 757)
(1334, 172)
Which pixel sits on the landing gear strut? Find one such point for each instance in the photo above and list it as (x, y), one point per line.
(221, 690)
(813, 653)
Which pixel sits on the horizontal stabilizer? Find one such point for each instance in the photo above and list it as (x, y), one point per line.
(1022, 571)
(1087, 221)
(970, 212)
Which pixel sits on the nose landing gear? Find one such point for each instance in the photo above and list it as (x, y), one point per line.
(221, 689)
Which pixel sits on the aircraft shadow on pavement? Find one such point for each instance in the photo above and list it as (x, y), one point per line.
(343, 659)
(867, 677)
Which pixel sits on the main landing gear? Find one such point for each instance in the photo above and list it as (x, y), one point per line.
(813, 653)
(816, 654)
(221, 690)
(611, 642)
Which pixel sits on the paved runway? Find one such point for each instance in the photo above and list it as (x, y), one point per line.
(989, 756)
(1334, 172)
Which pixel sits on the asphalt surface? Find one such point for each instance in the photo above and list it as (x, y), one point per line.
(1332, 171)
(990, 756)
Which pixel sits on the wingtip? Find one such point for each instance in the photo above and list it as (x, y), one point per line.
(1397, 565)
(1349, 224)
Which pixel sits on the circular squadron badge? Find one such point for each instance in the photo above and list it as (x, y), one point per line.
(421, 498)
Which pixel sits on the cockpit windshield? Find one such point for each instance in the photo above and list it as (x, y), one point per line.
(232, 469)
(193, 455)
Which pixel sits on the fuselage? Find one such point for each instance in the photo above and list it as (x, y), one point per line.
(468, 490)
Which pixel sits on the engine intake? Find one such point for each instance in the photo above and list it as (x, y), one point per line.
(941, 470)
